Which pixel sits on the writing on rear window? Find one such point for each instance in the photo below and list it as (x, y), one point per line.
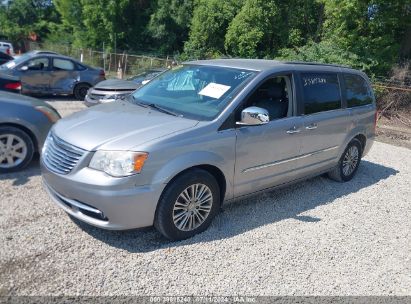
(313, 81)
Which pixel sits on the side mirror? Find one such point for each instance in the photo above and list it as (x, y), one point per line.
(253, 116)
(24, 68)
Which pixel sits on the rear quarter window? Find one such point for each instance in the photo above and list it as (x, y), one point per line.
(321, 92)
(357, 90)
(81, 67)
(63, 64)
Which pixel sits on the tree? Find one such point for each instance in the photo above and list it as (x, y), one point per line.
(71, 29)
(209, 24)
(324, 52)
(374, 30)
(21, 17)
(117, 23)
(256, 30)
(169, 24)
(262, 28)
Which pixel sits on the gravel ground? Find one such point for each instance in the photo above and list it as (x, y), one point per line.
(65, 105)
(317, 237)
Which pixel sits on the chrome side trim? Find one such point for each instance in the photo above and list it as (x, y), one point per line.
(280, 162)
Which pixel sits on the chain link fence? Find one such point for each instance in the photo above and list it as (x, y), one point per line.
(120, 65)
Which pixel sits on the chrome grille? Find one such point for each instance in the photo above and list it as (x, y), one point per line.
(60, 156)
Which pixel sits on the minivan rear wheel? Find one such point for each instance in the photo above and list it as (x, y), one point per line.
(348, 163)
(188, 205)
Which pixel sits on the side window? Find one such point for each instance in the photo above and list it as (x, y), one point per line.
(321, 92)
(81, 67)
(63, 64)
(37, 64)
(272, 95)
(358, 92)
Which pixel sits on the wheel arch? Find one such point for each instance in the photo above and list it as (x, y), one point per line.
(214, 171)
(358, 133)
(363, 140)
(212, 162)
(80, 83)
(24, 129)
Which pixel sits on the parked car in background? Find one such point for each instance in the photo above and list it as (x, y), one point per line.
(10, 83)
(204, 133)
(112, 89)
(43, 72)
(5, 58)
(24, 124)
(7, 48)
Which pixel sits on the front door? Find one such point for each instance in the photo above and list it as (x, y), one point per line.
(35, 75)
(268, 155)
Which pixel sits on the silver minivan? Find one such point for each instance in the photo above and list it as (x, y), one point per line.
(205, 133)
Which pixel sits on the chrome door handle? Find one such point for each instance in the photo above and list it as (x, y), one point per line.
(293, 130)
(312, 127)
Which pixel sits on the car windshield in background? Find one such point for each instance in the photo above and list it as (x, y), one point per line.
(148, 75)
(198, 92)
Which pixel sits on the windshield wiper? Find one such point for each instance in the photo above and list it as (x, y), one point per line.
(136, 101)
(161, 109)
(154, 106)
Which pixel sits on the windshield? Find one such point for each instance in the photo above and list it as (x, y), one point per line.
(17, 60)
(198, 92)
(145, 75)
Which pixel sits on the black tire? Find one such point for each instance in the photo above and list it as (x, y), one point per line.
(164, 222)
(338, 173)
(80, 91)
(28, 151)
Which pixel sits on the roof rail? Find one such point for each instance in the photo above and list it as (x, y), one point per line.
(318, 63)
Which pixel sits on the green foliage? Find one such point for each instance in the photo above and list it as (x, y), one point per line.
(22, 17)
(169, 24)
(256, 30)
(374, 30)
(115, 23)
(368, 34)
(209, 24)
(262, 28)
(324, 52)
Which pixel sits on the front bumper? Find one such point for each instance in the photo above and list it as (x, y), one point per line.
(102, 201)
(95, 97)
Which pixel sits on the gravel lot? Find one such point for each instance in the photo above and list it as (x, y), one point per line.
(318, 237)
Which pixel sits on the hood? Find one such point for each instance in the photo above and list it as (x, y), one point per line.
(22, 100)
(118, 126)
(116, 84)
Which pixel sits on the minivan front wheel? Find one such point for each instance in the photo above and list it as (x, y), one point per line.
(348, 163)
(188, 205)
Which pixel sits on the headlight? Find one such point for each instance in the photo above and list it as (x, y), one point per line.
(108, 98)
(52, 115)
(118, 163)
(111, 98)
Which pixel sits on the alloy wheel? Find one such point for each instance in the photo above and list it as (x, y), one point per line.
(350, 160)
(192, 207)
(13, 151)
